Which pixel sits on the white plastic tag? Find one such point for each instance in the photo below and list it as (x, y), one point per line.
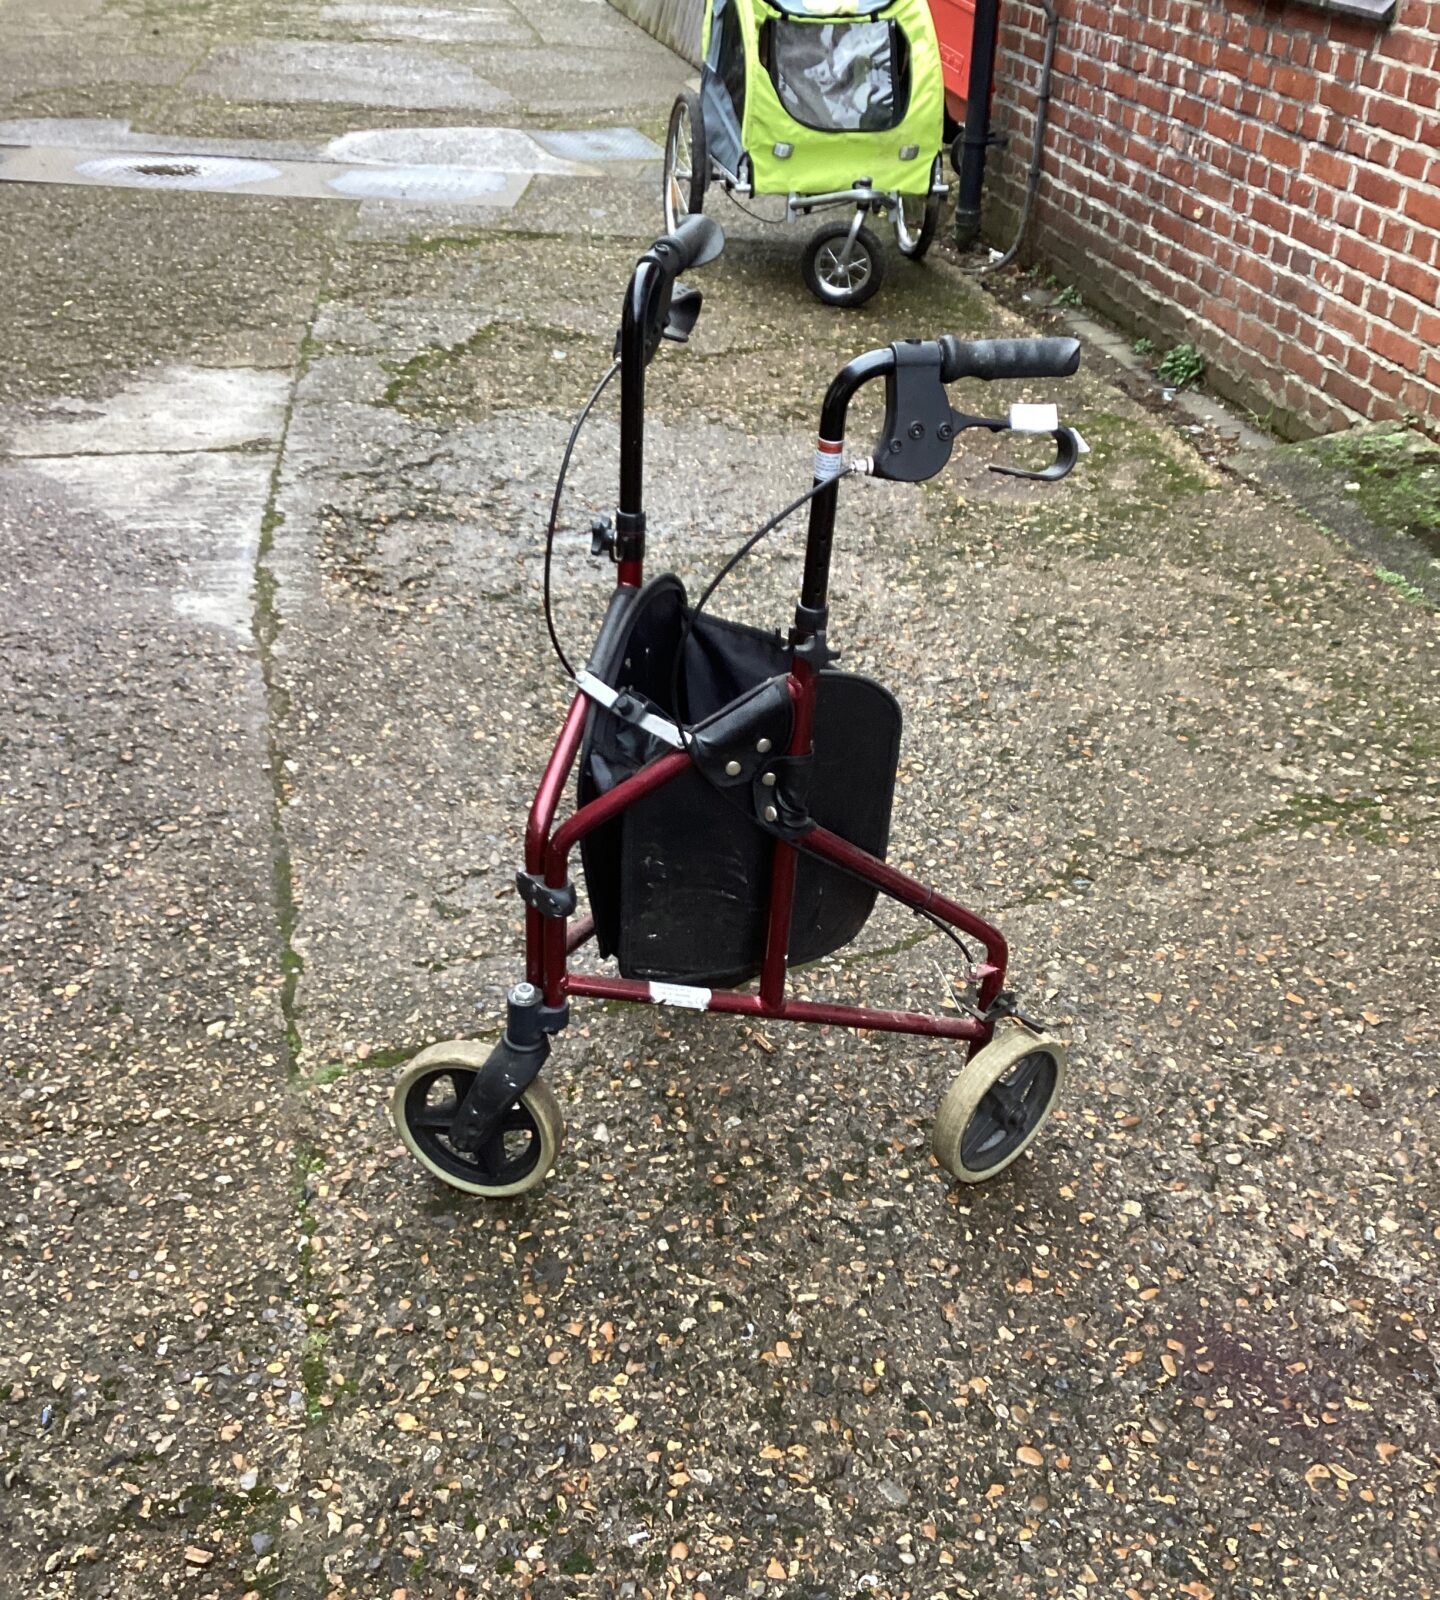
(680, 994)
(1034, 419)
(1083, 448)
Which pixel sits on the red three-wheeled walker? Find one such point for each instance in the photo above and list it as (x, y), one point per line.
(733, 793)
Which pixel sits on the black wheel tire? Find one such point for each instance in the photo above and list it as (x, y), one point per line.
(516, 1160)
(687, 166)
(844, 284)
(911, 240)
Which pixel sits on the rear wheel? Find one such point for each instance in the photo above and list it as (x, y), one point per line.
(687, 167)
(839, 270)
(917, 217)
(517, 1157)
(998, 1104)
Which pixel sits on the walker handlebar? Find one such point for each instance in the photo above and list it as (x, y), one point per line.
(656, 307)
(1007, 358)
(695, 242)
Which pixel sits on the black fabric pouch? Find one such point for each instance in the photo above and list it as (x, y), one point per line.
(679, 883)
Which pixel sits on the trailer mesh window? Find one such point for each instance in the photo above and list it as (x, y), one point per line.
(839, 77)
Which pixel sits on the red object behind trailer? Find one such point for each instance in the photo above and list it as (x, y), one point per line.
(955, 28)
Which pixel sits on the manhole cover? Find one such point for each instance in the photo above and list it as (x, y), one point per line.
(176, 172)
(419, 183)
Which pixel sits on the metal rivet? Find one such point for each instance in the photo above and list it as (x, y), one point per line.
(768, 779)
(771, 813)
(732, 769)
(917, 430)
(763, 746)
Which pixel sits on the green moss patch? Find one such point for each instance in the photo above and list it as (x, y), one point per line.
(1396, 478)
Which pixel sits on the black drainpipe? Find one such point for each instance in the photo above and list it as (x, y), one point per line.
(973, 141)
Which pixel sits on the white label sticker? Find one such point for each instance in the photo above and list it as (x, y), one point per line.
(1034, 419)
(680, 994)
(829, 463)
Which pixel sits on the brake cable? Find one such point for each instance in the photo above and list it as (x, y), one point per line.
(580, 420)
(694, 616)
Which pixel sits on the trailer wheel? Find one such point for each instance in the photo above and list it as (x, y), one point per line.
(515, 1160)
(998, 1103)
(916, 226)
(687, 167)
(840, 271)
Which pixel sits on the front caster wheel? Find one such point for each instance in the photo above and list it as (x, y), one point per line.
(997, 1104)
(839, 270)
(515, 1159)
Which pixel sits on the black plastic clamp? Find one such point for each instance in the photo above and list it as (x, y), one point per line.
(629, 536)
(1003, 1005)
(813, 648)
(780, 796)
(542, 897)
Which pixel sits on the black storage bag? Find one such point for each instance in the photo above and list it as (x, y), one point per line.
(679, 883)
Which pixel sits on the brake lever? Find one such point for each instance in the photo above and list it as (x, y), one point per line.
(683, 313)
(920, 426)
(1067, 453)
(1068, 448)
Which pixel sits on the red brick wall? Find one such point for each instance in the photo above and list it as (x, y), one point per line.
(1263, 180)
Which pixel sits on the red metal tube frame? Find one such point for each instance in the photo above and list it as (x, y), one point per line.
(550, 940)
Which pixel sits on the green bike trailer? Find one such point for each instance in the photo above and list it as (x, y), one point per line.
(830, 103)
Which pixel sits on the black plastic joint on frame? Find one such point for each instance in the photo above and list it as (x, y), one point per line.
(808, 630)
(816, 651)
(629, 535)
(553, 1019)
(539, 896)
(807, 636)
(1005, 1005)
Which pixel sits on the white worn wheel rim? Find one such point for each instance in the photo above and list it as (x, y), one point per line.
(1009, 1046)
(908, 239)
(904, 237)
(469, 1055)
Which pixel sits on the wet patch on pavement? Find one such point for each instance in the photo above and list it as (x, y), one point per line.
(462, 166)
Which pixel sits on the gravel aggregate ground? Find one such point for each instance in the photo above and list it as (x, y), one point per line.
(273, 480)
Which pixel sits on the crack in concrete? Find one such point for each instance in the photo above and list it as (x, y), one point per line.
(246, 447)
(266, 626)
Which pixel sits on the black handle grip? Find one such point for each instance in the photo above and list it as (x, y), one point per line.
(695, 242)
(1007, 358)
